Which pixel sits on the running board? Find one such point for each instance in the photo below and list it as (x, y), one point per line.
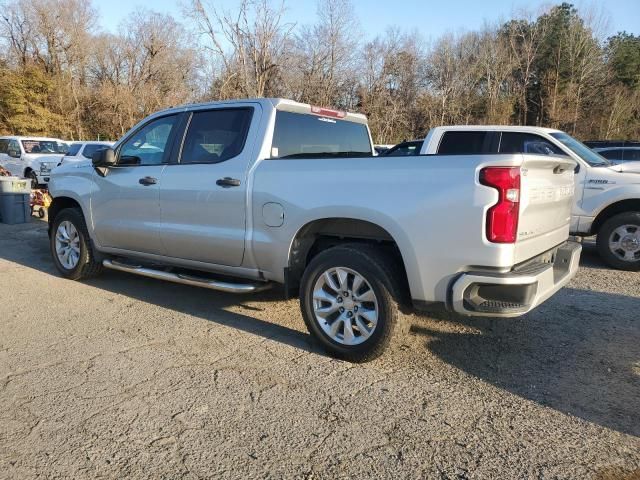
(187, 279)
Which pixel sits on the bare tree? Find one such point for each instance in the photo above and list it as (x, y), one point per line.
(525, 37)
(325, 55)
(249, 45)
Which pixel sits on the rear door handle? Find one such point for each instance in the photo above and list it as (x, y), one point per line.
(146, 181)
(227, 182)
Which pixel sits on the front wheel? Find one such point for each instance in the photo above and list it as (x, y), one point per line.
(618, 241)
(34, 180)
(348, 303)
(71, 246)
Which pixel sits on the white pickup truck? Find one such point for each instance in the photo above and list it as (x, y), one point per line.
(236, 196)
(607, 198)
(31, 157)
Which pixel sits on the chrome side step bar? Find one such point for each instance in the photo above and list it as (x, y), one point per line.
(187, 279)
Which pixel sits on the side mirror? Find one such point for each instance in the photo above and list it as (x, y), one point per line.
(104, 158)
(14, 153)
(577, 169)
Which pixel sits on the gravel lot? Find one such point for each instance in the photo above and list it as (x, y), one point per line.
(129, 377)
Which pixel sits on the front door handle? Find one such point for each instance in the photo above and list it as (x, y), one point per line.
(227, 182)
(148, 181)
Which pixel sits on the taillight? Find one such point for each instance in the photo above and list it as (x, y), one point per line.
(327, 112)
(502, 218)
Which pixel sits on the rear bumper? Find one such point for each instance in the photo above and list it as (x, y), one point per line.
(516, 292)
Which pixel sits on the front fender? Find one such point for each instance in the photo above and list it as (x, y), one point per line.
(75, 183)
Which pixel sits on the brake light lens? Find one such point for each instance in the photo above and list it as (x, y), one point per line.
(502, 218)
(327, 112)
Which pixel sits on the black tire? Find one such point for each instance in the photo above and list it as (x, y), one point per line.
(602, 241)
(87, 265)
(381, 272)
(31, 175)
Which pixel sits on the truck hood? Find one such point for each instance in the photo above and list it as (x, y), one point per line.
(626, 167)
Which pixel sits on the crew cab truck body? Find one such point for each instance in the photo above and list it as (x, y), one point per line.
(607, 197)
(236, 196)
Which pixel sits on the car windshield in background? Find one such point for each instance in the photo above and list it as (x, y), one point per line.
(74, 149)
(405, 149)
(92, 148)
(580, 149)
(44, 147)
(298, 135)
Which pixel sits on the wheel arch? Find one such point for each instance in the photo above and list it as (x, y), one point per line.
(323, 233)
(60, 203)
(621, 206)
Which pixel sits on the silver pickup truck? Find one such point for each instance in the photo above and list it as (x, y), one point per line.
(238, 196)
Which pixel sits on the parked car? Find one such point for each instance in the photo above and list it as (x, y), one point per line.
(619, 154)
(611, 143)
(607, 200)
(272, 191)
(31, 157)
(83, 150)
(381, 149)
(405, 149)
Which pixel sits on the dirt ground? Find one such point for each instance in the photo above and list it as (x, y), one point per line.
(127, 377)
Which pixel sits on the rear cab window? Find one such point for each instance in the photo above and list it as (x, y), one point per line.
(300, 135)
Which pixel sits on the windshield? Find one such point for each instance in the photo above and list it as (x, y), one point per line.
(580, 149)
(44, 147)
(74, 149)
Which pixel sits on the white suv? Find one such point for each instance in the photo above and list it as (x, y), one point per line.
(83, 151)
(31, 157)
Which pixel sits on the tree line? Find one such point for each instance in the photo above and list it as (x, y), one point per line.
(61, 75)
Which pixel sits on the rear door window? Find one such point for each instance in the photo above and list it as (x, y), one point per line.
(214, 136)
(298, 135)
(469, 142)
(518, 142)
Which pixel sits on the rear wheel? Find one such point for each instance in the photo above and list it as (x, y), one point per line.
(71, 246)
(348, 302)
(618, 241)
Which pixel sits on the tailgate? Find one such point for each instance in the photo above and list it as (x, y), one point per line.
(546, 200)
